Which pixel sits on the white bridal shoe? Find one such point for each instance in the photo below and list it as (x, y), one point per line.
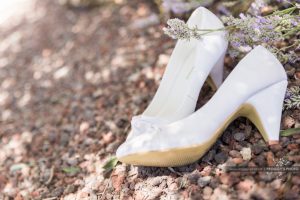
(191, 63)
(255, 89)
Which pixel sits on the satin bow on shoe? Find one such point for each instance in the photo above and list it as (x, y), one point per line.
(144, 124)
(141, 124)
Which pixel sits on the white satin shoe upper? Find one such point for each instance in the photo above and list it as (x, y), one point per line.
(189, 66)
(259, 79)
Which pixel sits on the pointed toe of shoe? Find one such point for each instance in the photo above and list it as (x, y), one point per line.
(141, 150)
(126, 149)
(122, 151)
(131, 147)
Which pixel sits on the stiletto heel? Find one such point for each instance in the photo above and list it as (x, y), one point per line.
(265, 109)
(254, 89)
(215, 77)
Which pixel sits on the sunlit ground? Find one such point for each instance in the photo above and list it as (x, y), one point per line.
(14, 10)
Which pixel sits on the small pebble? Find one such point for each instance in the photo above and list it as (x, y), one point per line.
(296, 180)
(207, 191)
(57, 192)
(292, 146)
(245, 185)
(260, 160)
(240, 136)
(226, 137)
(203, 181)
(237, 160)
(84, 126)
(246, 153)
(235, 154)
(193, 177)
(270, 158)
(257, 149)
(275, 148)
(156, 181)
(221, 157)
(209, 156)
(69, 189)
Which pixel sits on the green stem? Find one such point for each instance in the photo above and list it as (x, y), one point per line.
(291, 32)
(285, 11)
(287, 47)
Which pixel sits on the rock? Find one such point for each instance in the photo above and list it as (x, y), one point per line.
(206, 171)
(163, 184)
(83, 128)
(276, 184)
(246, 153)
(117, 181)
(69, 189)
(285, 141)
(155, 181)
(257, 149)
(57, 192)
(237, 160)
(173, 187)
(203, 181)
(122, 123)
(290, 194)
(260, 160)
(257, 135)
(19, 197)
(239, 136)
(251, 164)
(293, 146)
(209, 155)
(248, 131)
(225, 179)
(97, 93)
(219, 194)
(296, 180)
(207, 192)
(214, 183)
(275, 148)
(267, 177)
(72, 161)
(235, 154)
(193, 177)
(270, 158)
(163, 60)
(264, 193)
(297, 141)
(64, 139)
(295, 158)
(245, 185)
(221, 157)
(288, 122)
(108, 137)
(226, 137)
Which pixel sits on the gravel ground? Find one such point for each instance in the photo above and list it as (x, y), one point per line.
(70, 81)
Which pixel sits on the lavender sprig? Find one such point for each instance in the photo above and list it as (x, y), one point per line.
(178, 29)
(292, 98)
(246, 32)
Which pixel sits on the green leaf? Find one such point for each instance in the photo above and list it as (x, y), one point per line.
(71, 170)
(290, 132)
(17, 167)
(110, 164)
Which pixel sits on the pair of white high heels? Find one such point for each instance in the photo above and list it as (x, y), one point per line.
(171, 133)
